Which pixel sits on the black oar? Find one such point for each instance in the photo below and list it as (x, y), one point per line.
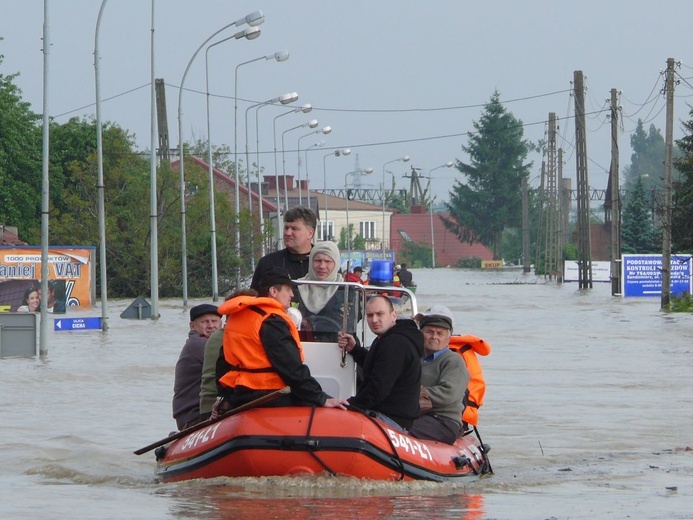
(251, 404)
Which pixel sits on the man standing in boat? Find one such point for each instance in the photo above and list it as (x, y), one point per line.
(444, 380)
(262, 352)
(405, 276)
(299, 229)
(391, 367)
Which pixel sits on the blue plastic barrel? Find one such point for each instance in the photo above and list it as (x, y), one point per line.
(381, 272)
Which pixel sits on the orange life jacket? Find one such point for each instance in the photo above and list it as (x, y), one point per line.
(468, 347)
(243, 350)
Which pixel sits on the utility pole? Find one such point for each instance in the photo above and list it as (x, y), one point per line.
(526, 260)
(583, 199)
(666, 210)
(550, 253)
(540, 225)
(614, 185)
(561, 214)
(161, 119)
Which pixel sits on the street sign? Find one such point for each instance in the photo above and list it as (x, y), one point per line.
(77, 324)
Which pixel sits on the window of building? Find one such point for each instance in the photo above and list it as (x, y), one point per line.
(367, 229)
(325, 230)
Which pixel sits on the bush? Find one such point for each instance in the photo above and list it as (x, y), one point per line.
(470, 262)
(681, 303)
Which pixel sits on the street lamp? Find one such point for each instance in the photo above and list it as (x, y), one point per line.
(430, 205)
(336, 153)
(325, 130)
(403, 159)
(367, 171)
(310, 124)
(303, 109)
(284, 100)
(100, 182)
(318, 144)
(278, 56)
(253, 20)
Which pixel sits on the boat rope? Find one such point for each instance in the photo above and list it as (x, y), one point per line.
(310, 445)
(483, 451)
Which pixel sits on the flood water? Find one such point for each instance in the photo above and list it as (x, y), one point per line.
(589, 414)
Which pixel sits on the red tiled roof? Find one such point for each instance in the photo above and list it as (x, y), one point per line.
(220, 176)
(448, 248)
(9, 237)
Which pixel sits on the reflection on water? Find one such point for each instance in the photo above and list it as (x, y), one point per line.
(587, 412)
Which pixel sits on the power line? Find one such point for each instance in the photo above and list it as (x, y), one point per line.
(107, 99)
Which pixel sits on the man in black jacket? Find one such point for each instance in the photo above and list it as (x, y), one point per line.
(392, 365)
(299, 229)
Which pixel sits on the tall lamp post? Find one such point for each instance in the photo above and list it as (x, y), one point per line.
(403, 159)
(310, 124)
(336, 153)
(100, 182)
(250, 33)
(304, 109)
(279, 56)
(367, 171)
(430, 206)
(284, 100)
(317, 144)
(325, 130)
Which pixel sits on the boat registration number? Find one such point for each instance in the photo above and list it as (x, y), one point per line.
(199, 437)
(409, 445)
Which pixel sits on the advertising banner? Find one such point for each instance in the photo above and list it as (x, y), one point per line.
(364, 258)
(70, 278)
(642, 275)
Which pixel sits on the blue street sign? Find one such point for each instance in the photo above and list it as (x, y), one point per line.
(77, 324)
(642, 275)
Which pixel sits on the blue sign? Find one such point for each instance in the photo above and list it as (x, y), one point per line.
(642, 275)
(77, 324)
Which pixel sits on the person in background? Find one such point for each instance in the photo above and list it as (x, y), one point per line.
(204, 320)
(262, 352)
(31, 301)
(391, 367)
(299, 229)
(355, 276)
(444, 380)
(212, 351)
(405, 276)
(322, 306)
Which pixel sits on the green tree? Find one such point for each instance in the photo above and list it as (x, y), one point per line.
(490, 200)
(20, 162)
(637, 232)
(682, 200)
(647, 159)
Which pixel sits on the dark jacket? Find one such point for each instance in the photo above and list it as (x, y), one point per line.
(297, 265)
(325, 324)
(405, 277)
(392, 373)
(188, 378)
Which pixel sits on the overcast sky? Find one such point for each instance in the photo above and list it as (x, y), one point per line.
(391, 78)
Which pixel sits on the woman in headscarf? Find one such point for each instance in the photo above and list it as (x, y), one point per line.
(322, 306)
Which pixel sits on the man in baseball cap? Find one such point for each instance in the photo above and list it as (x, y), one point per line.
(204, 320)
(444, 380)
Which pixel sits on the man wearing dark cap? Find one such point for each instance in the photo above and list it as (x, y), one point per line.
(355, 276)
(204, 320)
(444, 380)
(299, 229)
(262, 351)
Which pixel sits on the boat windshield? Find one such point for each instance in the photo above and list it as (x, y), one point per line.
(323, 317)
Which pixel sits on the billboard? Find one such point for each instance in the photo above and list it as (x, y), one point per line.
(364, 258)
(642, 275)
(70, 278)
